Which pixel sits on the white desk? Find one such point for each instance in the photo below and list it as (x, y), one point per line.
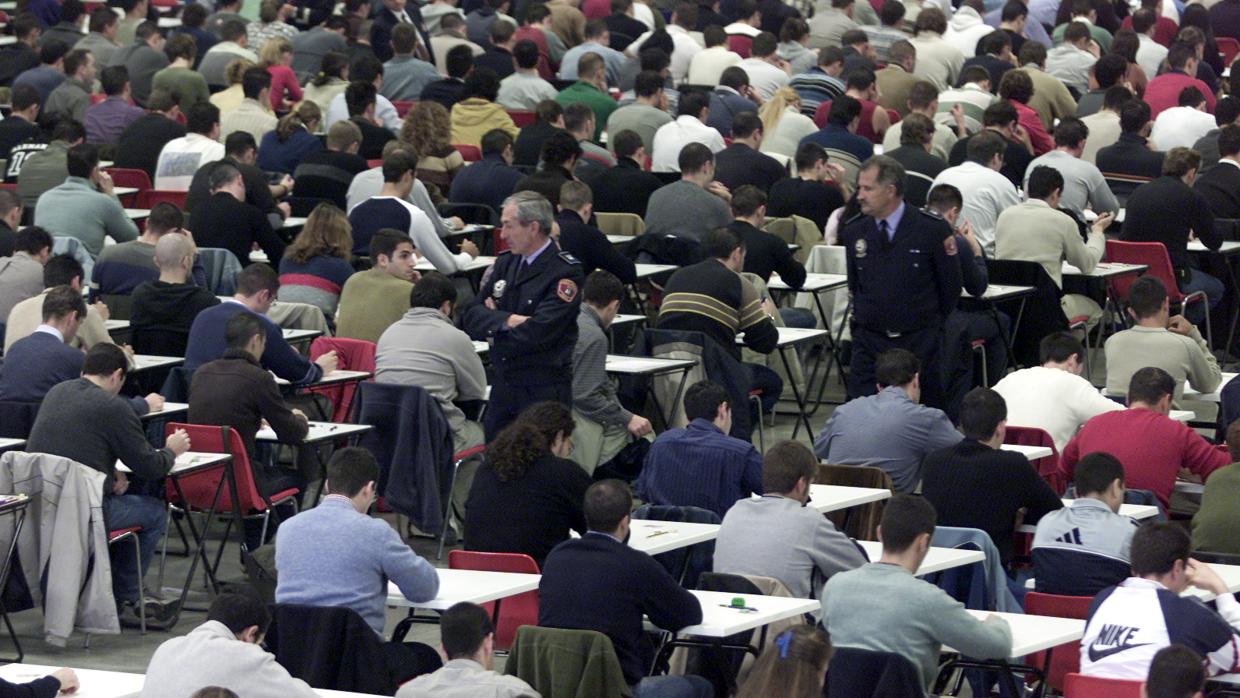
(116, 325)
(122, 191)
(1029, 452)
(1133, 511)
(259, 257)
(1105, 270)
(620, 239)
(300, 335)
(828, 498)
(318, 432)
(169, 22)
(937, 559)
(645, 271)
(473, 586)
(10, 444)
(110, 684)
(1191, 393)
(654, 537)
(720, 619)
(814, 283)
(8, 40)
(188, 462)
(137, 213)
(481, 347)
(479, 263)
(1000, 292)
(1182, 415)
(294, 222)
(337, 376)
(1229, 247)
(146, 362)
(645, 365)
(1036, 633)
(170, 408)
(626, 319)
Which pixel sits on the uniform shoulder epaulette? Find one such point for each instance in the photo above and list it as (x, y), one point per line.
(858, 216)
(568, 257)
(932, 213)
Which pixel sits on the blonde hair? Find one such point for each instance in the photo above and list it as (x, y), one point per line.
(304, 114)
(235, 71)
(428, 128)
(272, 50)
(773, 110)
(327, 232)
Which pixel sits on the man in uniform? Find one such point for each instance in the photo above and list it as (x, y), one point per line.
(903, 275)
(528, 313)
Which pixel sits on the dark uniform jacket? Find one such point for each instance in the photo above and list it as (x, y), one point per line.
(909, 283)
(539, 350)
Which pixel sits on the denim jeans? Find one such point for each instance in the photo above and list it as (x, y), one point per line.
(1201, 281)
(767, 380)
(799, 317)
(123, 511)
(687, 686)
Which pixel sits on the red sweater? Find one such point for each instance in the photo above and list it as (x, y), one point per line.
(283, 85)
(1163, 92)
(1165, 29)
(1151, 447)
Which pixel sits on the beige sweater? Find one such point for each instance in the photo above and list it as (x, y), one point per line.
(1034, 232)
(1183, 357)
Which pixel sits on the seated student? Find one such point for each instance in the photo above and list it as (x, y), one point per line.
(260, 191)
(372, 300)
(701, 465)
(584, 241)
(226, 221)
(890, 430)
(1054, 397)
(490, 180)
(741, 163)
(45, 358)
(527, 494)
(234, 390)
(767, 253)
(225, 651)
(1152, 446)
(1081, 549)
(163, 310)
(316, 264)
(61, 270)
(813, 192)
(625, 188)
(425, 349)
(107, 431)
(390, 209)
(776, 535)
(257, 286)
(83, 206)
(21, 274)
(468, 641)
(336, 555)
(1129, 623)
(599, 583)
(1214, 524)
(974, 484)
(695, 204)
(916, 618)
(119, 269)
(180, 158)
(327, 174)
(1175, 672)
(557, 159)
(369, 184)
(604, 426)
(360, 98)
(1157, 339)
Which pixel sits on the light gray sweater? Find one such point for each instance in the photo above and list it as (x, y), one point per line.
(883, 608)
(594, 395)
(211, 655)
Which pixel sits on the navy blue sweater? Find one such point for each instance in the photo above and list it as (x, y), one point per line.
(36, 363)
(598, 583)
(206, 343)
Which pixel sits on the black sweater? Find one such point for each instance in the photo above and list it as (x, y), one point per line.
(1166, 210)
(223, 221)
(591, 247)
(766, 253)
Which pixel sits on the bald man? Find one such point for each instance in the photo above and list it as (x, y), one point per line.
(164, 309)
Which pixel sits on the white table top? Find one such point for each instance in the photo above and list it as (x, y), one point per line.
(646, 270)
(136, 213)
(1182, 415)
(6, 444)
(828, 498)
(814, 283)
(116, 325)
(1036, 633)
(1106, 270)
(791, 336)
(170, 408)
(719, 619)
(654, 537)
(456, 586)
(294, 222)
(188, 461)
(169, 22)
(300, 335)
(1228, 247)
(1230, 575)
(1191, 393)
(8, 40)
(481, 347)
(999, 292)
(623, 319)
(645, 365)
(259, 257)
(96, 683)
(319, 431)
(937, 559)
(146, 362)
(337, 376)
(1030, 452)
(620, 239)
(122, 191)
(477, 263)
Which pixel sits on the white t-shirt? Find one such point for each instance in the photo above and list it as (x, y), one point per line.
(1180, 126)
(764, 77)
(1052, 400)
(671, 138)
(182, 157)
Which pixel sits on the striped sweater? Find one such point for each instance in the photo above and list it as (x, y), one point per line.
(709, 297)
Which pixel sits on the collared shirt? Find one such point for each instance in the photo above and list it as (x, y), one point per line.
(529, 259)
(671, 138)
(51, 330)
(700, 466)
(892, 221)
(465, 678)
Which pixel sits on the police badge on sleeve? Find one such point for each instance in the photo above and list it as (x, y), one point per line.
(566, 290)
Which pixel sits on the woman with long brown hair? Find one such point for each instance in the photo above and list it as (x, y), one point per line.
(428, 128)
(527, 494)
(316, 264)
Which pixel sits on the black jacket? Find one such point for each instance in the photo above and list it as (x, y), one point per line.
(527, 149)
(235, 390)
(623, 29)
(222, 221)
(488, 181)
(1220, 185)
(162, 314)
(993, 65)
(327, 174)
(546, 181)
(591, 247)
(373, 138)
(801, 197)
(738, 165)
(625, 188)
(139, 145)
(766, 253)
(497, 59)
(1166, 210)
(257, 191)
(385, 21)
(916, 160)
(974, 486)
(15, 60)
(1130, 155)
(8, 239)
(447, 92)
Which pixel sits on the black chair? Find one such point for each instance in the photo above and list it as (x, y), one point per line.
(1217, 558)
(479, 214)
(329, 647)
(856, 672)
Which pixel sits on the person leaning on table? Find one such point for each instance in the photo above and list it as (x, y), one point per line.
(56, 683)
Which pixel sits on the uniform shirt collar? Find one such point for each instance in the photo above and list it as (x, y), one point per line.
(893, 220)
(533, 256)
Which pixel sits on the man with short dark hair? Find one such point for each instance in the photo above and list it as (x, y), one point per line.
(84, 207)
(253, 115)
(257, 285)
(181, 157)
(21, 55)
(49, 73)
(143, 56)
(163, 309)
(579, 121)
(498, 57)
(557, 162)
(71, 97)
(895, 82)
(778, 536)
(309, 46)
(1163, 91)
(1129, 623)
(458, 62)
(44, 165)
(839, 137)
(328, 173)
(693, 206)
(34, 364)
(590, 89)
(18, 129)
(1104, 123)
(490, 180)
(599, 583)
(1108, 72)
(360, 99)
(225, 220)
(1183, 125)
(1083, 548)
(1084, 186)
(586, 242)
(225, 651)
(1132, 153)
(21, 274)
(1220, 185)
(986, 192)
(374, 299)
(1226, 112)
(336, 555)
(689, 127)
(404, 74)
(1070, 60)
(548, 119)
(923, 98)
(233, 44)
(683, 460)
(1176, 672)
(917, 618)
(525, 87)
(999, 118)
(645, 115)
(814, 192)
(106, 431)
(468, 641)
(138, 147)
(1152, 446)
(741, 163)
(994, 54)
(107, 120)
(767, 253)
(10, 220)
(61, 270)
(822, 83)
(241, 152)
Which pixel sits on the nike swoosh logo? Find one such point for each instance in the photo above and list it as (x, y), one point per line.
(1098, 655)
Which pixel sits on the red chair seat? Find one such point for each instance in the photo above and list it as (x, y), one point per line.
(1065, 659)
(113, 535)
(469, 452)
(470, 153)
(1081, 686)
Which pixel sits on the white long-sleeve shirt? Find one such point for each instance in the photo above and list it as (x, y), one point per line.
(986, 194)
(1052, 400)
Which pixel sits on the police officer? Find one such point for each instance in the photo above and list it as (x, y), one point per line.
(903, 275)
(528, 313)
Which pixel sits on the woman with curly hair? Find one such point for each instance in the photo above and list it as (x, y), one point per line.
(428, 128)
(276, 57)
(316, 264)
(527, 494)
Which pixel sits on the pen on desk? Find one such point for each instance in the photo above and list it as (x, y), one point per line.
(658, 533)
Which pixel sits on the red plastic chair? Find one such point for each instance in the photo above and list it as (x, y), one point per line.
(457, 459)
(1065, 659)
(126, 177)
(740, 44)
(471, 153)
(515, 611)
(150, 197)
(403, 107)
(131, 534)
(97, 98)
(1228, 47)
(522, 118)
(1154, 255)
(1048, 467)
(351, 355)
(1081, 686)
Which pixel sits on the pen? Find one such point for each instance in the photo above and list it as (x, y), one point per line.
(657, 533)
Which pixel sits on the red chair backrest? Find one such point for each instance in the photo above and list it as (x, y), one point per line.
(351, 355)
(125, 177)
(522, 118)
(1152, 254)
(97, 98)
(1081, 686)
(1227, 46)
(1048, 467)
(471, 153)
(1065, 659)
(515, 611)
(403, 107)
(740, 44)
(150, 197)
(199, 487)
(375, 163)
